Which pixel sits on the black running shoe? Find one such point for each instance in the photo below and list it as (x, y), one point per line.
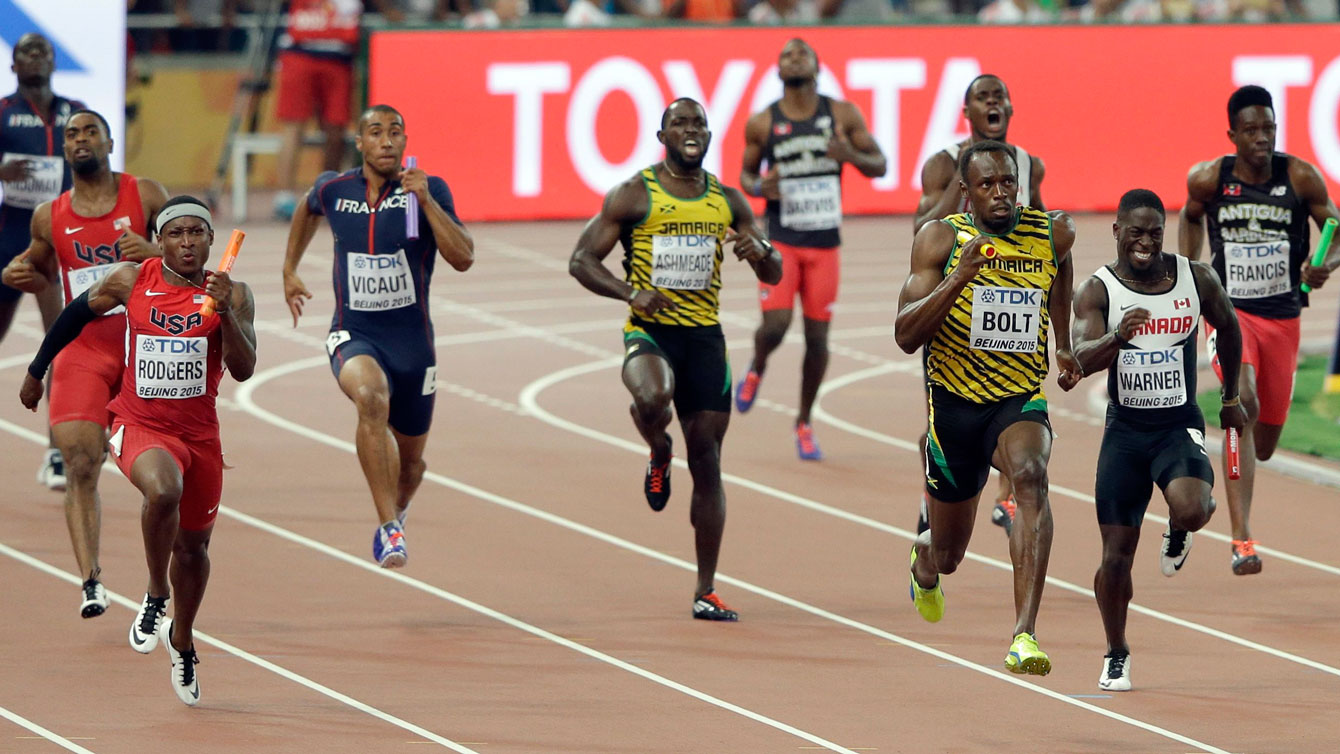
(656, 484)
(710, 607)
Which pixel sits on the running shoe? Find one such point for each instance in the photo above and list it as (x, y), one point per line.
(184, 680)
(1025, 658)
(746, 391)
(388, 546)
(710, 607)
(95, 599)
(1003, 514)
(402, 515)
(1176, 547)
(148, 622)
(656, 483)
(1245, 560)
(923, 516)
(929, 602)
(1116, 672)
(52, 471)
(806, 447)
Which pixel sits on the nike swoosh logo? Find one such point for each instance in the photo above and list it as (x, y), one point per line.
(210, 512)
(155, 293)
(1124, 308)
(135, 637)
(195, 693)
(69, 231)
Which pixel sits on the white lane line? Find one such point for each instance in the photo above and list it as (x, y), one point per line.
(837, 383)
(244, 398)
(60, 741)
(205, 638)
(250, 407)
(529, 401)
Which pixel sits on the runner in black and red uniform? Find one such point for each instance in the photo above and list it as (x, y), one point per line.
(381, 337)
(1256, 204)
(165, 431)
(32, 171)
(77, 238)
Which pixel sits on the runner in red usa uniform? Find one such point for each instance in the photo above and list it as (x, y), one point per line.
(165, 431)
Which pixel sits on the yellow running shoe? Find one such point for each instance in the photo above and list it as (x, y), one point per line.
(1025, 658)
(930, 602)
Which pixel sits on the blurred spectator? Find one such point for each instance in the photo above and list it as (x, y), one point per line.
(774, 12)
(495, 14)
(1014, 12)
(206, 26)
(710, 11)
(424, 10)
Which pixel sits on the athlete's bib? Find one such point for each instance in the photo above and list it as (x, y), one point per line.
(1257, 270)
(167, 367)
(378, 282)
(683, 263)
(1006, 319)
(1151, 378)
(42, 185)
(83, 278)
(811, 203)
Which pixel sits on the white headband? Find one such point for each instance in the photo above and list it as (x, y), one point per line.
(168, 214)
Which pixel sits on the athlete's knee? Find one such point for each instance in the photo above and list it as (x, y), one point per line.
(190, 551)
(651, 401)
(162, 495)
(372, 401)
(774, 326)
(82, 465)
(412, 470)
(1029, 479)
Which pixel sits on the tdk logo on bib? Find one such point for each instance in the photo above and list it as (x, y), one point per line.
(1150, 358)
(170, 345)
(1012, 297)
(372, 262)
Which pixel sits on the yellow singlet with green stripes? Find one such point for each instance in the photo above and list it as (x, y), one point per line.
(993, 343)
(676, 249)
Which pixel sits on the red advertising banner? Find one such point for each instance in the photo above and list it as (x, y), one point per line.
(539, 124)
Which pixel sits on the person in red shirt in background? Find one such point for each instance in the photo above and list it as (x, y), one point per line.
(702, 10)
(316, 67)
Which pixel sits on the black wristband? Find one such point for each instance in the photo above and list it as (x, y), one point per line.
(1116, 335)
(64, 330)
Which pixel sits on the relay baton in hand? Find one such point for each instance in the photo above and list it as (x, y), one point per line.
(225, 265)
(1323, 246)
(412, 207)
(989, 251)
(1234, 461)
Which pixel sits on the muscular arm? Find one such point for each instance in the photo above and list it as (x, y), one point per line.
(107, 293)
(37, 267)
(755, 142)
(927, 295)
(751, 243)
(624, 205)
(1200, 185)
(1312, 190)
(1063, 287)
(1095, 347)
(940, 190)
(867, 157)
(1038, 172)
(131, 245)
(239, 333)
(1217, 309)
(153, 195)
(300, 233)
(454, 242)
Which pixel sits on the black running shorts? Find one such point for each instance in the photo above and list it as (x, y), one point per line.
(1134, 458)
(697, 357)
(963, 436)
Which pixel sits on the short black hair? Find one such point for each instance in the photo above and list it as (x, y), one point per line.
(808, 46)
(665, 114)
(1137, 198)
(967, 93)
(28, 37)
(1247, 96)
(379, 109)
(106, 129)
(982, 147)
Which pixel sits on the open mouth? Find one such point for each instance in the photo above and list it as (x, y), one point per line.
(82, 152)
(995, 118)
(692, 147)
(1141, 256)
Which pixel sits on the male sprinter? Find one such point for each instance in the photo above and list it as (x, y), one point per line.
(165, 431)
(381, 337)
(1137, 317)
(806, 139)
(672, 219)
(1256, 203)
(983, 290)
(32, 171)
(104, 218)
(988, 110)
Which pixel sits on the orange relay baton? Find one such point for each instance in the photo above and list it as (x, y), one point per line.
(225, 265)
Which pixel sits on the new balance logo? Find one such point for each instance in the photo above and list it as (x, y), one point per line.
(1279, 191)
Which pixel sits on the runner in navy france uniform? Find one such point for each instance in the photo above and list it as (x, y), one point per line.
(381, 337)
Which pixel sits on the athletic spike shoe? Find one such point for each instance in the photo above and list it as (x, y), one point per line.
(1245, 560)
(656, 482)
(930, 603)
(1003, 514)
(1025, 658)
(1116, 672)
(923, 517)
(388, 546)
(148, 622)
(710, 607)
(1176, 548)
(52, 471)
(184, 680)
(746, 391)
(806, 447)
(402, 515)
(95, 599)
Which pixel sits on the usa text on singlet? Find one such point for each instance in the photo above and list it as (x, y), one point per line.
(993, 343)
(676, 249)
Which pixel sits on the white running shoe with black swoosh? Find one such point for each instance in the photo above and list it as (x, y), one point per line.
(1176, 548)
(184, 680)
(148, 622)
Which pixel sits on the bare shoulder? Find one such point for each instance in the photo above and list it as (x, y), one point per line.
(1202, 178)
(756, 128)
(1039, 167)
(1306, 178)
(628, 201)
(1063, 230)
(938, 171)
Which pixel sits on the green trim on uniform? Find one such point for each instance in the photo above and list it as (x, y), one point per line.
(1051, 239)
(950, 260)
(1018, 215)
(1037, 403)
(640, 333)
(650, 201)
(729, 379)
(938, 455)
